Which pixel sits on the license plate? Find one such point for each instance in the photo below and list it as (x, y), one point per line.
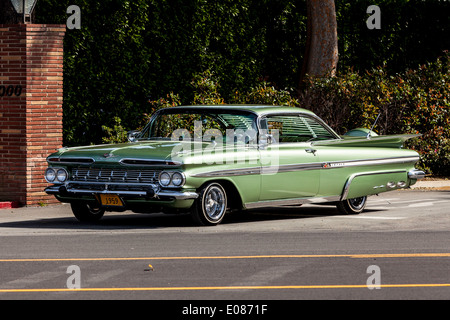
(110, 200)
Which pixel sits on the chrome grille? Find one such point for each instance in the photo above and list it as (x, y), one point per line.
(115, 175)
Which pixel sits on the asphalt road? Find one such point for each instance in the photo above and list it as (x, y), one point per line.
(399, 248)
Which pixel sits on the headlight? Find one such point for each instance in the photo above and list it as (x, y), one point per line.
(177, 179)
(164, 179)
(56, 175)
(171, 179)
(61, 175)
(50, 175)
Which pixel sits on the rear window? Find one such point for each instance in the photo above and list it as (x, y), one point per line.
(295, 128)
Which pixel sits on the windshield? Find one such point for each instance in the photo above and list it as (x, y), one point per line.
(203, 125)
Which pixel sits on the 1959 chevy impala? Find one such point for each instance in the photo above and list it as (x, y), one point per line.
(211, 159)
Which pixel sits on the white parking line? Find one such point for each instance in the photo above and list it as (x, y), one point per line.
(372, 217)
(426, 204)
(374, 200)
(395, 200)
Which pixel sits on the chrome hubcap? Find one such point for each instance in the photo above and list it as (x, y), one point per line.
(357, 203)
(214, 203)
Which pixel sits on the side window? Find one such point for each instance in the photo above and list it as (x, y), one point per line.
(295, 128)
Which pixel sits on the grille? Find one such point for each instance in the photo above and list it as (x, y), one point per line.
(115, 175)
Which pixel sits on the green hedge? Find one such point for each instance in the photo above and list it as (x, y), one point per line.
(415, 101)
(128, 52)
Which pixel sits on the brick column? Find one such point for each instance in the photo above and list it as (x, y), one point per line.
(31, 96)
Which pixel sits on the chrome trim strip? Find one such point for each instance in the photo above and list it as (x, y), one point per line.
(106, 183)
(304, 166)
(370, 162)
(133, 193)
(228, 172)
(295, 167)
(353, 176)
(290, 202)
(165, 163)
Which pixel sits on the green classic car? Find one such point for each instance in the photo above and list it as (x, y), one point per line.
(211, 159)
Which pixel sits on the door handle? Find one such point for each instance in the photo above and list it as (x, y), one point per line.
(310, 150)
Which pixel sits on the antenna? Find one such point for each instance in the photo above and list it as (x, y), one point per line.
(368, 134)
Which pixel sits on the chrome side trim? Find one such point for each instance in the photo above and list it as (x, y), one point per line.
(290, 202)
(370, 162)
(416, 174)
(228, 172)
(353, 176)
(295, 167)
(304, 166)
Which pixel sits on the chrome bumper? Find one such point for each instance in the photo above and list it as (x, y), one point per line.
(65, 190)
(416, 174)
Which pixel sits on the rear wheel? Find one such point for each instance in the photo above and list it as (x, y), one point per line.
(352, 206)
(211, 205)
(86, 212)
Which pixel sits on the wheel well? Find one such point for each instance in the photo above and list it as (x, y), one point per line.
(233, 196)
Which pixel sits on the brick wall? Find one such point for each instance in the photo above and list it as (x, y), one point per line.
(31, 80)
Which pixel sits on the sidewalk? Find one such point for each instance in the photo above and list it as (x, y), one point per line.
(432, 184)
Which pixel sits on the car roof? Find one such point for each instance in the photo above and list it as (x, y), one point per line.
(257, 109)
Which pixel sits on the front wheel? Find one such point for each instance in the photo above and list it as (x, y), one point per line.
(210, 207)
(86, 212)
(352, 206)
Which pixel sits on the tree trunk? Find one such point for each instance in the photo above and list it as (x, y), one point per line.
(321, 56)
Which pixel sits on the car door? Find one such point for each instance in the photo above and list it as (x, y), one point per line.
(290, 167)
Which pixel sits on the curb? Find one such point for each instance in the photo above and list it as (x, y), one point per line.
(9, 204)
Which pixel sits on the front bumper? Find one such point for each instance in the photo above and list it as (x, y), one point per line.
(150, 192)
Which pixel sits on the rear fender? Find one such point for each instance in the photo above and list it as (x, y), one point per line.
(370, 183)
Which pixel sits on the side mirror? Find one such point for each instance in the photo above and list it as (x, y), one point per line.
(132, 135)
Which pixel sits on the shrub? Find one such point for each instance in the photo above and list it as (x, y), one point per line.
(415, 101)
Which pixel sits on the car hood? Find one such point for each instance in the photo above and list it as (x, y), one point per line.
(136, 153)
(159, 151)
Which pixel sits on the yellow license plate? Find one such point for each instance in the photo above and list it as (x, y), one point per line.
(110, 200)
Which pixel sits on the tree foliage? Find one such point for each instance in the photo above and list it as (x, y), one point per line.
(415, 101)
(130, 53)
